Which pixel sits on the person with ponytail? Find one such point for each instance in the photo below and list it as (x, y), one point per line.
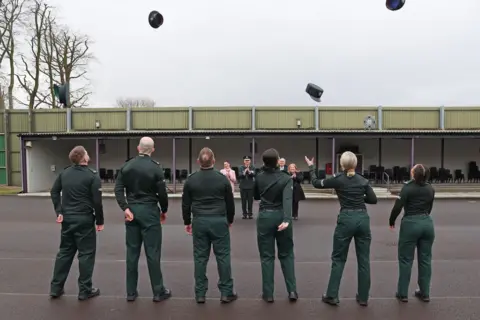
(353, 191)
(416, 231)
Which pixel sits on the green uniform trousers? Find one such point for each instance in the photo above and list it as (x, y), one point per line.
(246, 196)
(267, 233)
(416, 231)
(78, 234)
(351, 224)
(145, 227)
(208, 231)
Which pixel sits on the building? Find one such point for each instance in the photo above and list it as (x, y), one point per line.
(34, 145)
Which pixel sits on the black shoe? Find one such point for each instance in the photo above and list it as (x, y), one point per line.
(166, 294)
(268, 299)
(293, 296)
(200, 300)
(421, 296)
(401, 298)
(329, 300)
(132, 296)
(228, 299)
(244, 216)
(94, 292)
(250, 216)
(56, 295)
(360, 302)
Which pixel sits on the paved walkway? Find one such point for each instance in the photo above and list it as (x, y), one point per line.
(29, 239)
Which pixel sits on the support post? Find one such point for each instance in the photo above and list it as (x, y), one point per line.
(69, 119)
(380, 117)
(442, 153)
(253, 151)
(6, 126)
(253, 118)
(23, 154)
(333, 156)
(412, 153)
(379, 152)
(190, 118)
(174, 167)
(97, 154)
(442, 117)
(190, 154)
(128, 149)
(317, 120)
(129, 119)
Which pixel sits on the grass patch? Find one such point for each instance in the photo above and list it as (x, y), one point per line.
(5, 190)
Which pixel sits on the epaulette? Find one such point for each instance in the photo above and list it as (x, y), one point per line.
(66, 167)
(338, 174)
(93, 170)
(156, 162)
(409, 181)
(191, 174)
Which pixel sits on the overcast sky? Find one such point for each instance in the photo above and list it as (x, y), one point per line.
(252, 52)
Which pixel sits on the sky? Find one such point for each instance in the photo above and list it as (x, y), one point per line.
(263, 53)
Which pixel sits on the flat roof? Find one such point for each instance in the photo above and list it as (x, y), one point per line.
(256, 133)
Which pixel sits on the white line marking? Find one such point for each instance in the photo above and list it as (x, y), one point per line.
(234, 261)
(22, 294)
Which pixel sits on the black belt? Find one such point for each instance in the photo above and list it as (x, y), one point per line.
(209, 214)
(417, 214)
(354, 210)
(271, 210)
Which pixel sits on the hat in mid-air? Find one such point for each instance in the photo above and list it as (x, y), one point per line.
(155, 19)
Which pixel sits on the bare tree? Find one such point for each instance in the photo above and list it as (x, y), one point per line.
(11, 14)
(30, 81)
(65, 59)
(135, 102)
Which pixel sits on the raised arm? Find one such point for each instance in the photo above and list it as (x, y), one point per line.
(329, 183)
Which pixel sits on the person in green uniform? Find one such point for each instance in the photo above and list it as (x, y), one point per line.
(143, 180)
(416, 231)
(353, 191)
(246, 175)
(207, 194)
(77, 198)
(274, 189)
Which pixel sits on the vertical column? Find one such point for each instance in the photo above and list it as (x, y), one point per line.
(174, 166)
(6, 135)
(128, 149)
(69, 119)
(23, 154)
(442, 117)
(253, 118)
(333, 156)
(190, 118)
(317, 120)
(380, 117)
(129, 119)
(442, 153)
(412, 153)
(379, 152)
(316, 153)
(253, 151)
(97, 154)
(190, 147)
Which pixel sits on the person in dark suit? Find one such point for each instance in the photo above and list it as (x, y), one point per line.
(298, 194)
(282, 165)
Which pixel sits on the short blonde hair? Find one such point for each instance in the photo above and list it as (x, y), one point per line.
(348, 160)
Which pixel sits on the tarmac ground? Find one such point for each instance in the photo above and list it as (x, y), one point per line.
(29, 239)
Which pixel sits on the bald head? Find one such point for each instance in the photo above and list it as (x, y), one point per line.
(146, 146)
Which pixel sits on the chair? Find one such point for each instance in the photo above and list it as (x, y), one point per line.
(183, 175)
(110, 177)
(167, 172)
(459, 176)
(103, 174)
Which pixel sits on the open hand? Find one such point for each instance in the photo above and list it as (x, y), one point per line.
(60, 218)
(308, 161)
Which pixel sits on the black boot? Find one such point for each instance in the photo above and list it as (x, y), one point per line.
(94, 292)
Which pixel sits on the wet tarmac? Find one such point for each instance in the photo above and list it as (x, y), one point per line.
(29, 239)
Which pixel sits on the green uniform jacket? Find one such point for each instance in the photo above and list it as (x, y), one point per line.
(81, 193)
(143, 180)
(274, 189)
(352, 191)
(207, 192)
(415, 199)
(246, 179)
